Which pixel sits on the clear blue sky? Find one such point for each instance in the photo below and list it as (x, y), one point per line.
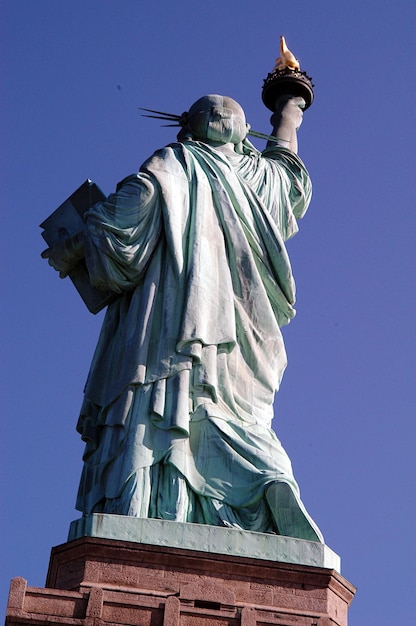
(74, 74)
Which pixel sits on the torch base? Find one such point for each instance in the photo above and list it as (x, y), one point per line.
(287, 82)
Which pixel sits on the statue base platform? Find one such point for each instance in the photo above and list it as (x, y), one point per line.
(99, 580)
(211, 539)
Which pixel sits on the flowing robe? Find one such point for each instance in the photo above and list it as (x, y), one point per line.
(179, 399)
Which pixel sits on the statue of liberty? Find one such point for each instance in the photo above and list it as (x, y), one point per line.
(178, 403)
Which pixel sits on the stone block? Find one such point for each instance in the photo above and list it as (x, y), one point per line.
(95, 581)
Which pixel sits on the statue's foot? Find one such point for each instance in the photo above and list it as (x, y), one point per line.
(290, 515)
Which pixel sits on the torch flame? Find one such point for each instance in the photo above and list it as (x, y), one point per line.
(287, 58)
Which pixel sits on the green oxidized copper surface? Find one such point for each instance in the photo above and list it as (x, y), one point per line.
(179, 399)
(206, 538)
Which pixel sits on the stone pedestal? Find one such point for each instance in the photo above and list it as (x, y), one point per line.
(97, 581)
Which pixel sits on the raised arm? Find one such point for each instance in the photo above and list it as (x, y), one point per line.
(286, 120)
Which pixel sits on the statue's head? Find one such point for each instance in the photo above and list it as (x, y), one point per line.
(218, 119)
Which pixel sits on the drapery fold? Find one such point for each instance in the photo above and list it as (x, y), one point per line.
(191, 354)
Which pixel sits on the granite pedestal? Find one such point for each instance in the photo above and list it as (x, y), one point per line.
(170, 574)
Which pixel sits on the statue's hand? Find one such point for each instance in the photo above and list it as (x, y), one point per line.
(64, 255)
(289, 110)
(286, 120)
